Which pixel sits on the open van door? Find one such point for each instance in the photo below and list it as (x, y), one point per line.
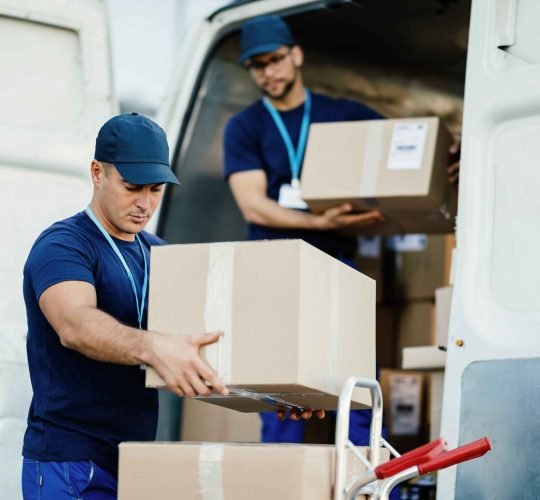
(55, 92)
(492, 381)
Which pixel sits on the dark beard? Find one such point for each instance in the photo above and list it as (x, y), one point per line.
(285, 92)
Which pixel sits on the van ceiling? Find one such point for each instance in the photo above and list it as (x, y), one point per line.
(412, 33)
(418, 34)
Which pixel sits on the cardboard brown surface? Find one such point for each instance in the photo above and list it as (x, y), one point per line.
(419, 273)
(201, 471)
(203, 422)
(365, 163)
(297, 322)
(415, 326)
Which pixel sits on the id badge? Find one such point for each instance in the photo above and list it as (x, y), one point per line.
(289, 197)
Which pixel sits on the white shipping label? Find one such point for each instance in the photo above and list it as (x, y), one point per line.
(405, 401)
(290, 197)
(407, 146)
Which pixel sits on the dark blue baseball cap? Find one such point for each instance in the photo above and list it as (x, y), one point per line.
(137, 147)
(262, 35)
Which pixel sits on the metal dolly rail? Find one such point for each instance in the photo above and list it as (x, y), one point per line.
(380, 479)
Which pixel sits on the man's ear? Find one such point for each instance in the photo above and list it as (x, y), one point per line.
(97, 172)
(297, 55)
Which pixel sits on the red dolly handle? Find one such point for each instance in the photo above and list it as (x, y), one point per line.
(415, 457)
(466, 452)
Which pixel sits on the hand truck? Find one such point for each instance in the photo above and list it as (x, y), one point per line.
(380, 479)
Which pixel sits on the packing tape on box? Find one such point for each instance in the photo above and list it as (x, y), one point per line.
(333, 338)
(210, 473)
(372, 158)
(218, 306)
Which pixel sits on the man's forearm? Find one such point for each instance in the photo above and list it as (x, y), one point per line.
(269, 213)
(99, 336)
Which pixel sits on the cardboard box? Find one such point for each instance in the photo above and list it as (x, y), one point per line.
(426, 357)
(415, 327)
(419, 273)
(200, 471)
(203, 422)
(443, 302)
(297, 322)
(404, 408)
(435, 399)
(396, 165)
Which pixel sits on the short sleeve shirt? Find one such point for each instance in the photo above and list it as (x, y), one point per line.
(82, 408)
(252, 142)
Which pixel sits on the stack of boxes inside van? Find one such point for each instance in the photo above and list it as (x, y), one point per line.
(298, 323)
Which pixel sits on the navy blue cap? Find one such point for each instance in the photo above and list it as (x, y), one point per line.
(262, 35)
(137, 147)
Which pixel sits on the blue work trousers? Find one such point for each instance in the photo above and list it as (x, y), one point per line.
(74, 480)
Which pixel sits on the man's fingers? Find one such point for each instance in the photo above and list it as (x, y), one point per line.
(210, 376)
(206, 338)
(320, 414)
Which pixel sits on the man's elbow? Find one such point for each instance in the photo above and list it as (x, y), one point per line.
(252, 216)
(68, 338)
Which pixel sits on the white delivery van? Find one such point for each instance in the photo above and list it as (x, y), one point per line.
(474, 63)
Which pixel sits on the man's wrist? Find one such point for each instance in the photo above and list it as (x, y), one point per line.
(145, 351)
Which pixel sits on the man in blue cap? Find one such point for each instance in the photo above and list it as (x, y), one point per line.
(264, 146)
(85, 289)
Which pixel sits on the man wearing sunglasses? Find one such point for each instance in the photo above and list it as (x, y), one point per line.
(264, 147)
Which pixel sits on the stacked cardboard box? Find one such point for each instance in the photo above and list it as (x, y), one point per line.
(199, 471)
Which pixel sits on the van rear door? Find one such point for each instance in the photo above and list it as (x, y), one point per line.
(55, 91)
(492, 381)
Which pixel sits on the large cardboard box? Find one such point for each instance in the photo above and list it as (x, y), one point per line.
(297, 322)
(200, 471)
(395, 165)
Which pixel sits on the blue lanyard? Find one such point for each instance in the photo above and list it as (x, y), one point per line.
(140, 306)
(295, 157)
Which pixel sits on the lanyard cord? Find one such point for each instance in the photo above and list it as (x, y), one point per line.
(295, 157)
(140, 306)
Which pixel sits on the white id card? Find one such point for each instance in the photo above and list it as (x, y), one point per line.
(289, 197)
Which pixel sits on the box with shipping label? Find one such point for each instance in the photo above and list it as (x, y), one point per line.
(199, 471)
(403, 397)
(297, 323)
(396, 165)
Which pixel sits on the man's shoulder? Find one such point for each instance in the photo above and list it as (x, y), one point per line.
(248, 114)
(151, 239)
(70, 228)
(349, 108)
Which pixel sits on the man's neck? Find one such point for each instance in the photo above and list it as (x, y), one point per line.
(114, 232)
(292, 99)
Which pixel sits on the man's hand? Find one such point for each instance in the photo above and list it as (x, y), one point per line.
(454, 154)
(340, 217)
(297, 415)
(177, 360)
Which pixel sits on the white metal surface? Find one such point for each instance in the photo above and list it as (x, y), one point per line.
(55, 91)
(496, 304)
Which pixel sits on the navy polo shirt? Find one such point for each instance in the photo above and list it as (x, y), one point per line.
(252, 142)
(81, 408)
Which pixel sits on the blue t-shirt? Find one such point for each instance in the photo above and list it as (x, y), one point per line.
(81, 408)
(252, 142)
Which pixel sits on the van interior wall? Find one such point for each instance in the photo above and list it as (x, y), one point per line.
(401, 60)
